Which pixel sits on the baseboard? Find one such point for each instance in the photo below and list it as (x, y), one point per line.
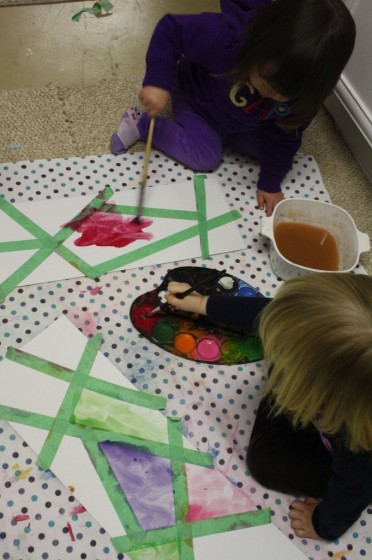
(354, 122)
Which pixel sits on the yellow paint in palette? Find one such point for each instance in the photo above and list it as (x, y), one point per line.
(307, 245)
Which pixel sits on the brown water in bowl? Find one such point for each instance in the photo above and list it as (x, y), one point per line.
(307, 245)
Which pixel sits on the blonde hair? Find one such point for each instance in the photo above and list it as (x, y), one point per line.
(317, 337)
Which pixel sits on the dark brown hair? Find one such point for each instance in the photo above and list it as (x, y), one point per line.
(301, 48)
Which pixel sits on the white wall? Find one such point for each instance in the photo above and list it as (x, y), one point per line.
(351, 102)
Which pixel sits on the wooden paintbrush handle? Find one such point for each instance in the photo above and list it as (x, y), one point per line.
(145, 168)
(148, 150)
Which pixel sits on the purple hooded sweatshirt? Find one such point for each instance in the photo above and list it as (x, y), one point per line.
(197, 52)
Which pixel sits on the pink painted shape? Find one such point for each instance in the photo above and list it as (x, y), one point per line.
(213, 495)
(106, 229)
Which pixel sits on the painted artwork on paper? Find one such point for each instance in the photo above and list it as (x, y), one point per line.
(105, 229)
(95, 431)
(65, 238)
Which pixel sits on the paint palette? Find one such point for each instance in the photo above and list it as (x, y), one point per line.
(193, 338)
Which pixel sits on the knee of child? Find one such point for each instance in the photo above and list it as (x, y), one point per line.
(207, 167)
(259, 467)
(253, 463)
(206, 161)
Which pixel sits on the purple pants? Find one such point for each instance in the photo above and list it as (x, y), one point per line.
(190, 139)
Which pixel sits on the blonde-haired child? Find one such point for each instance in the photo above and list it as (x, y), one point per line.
(313, 430)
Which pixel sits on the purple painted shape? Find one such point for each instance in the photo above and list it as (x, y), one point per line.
(146, 481)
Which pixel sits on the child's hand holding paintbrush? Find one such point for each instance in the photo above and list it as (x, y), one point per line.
(184, 295)
(192, 303)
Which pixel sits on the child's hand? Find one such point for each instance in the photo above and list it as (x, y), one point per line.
(154, 99)
(267, 201)
(301, 513)
(194, 303)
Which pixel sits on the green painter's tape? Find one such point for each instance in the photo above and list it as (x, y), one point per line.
(178, 538)
(127, 395)
(82, 432)
(25, 417)
(69, 403)
(194, 529)
(156, 246)
(48, 244)
(201, 204)
(95, 204)
(149, 212)
(26, 245)
(22, 272)
(178, 469)
(181, 496)
(22, 220)
(96, 10)
(94, 384)
(191, 456)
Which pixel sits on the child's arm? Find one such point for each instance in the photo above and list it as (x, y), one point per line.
(280, 149)
(208, 39)
(236, 312)
(348, 493)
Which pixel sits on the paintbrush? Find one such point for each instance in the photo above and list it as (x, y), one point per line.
(182, 295)
(145, 168)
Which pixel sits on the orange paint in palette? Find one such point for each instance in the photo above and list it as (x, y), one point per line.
(195, 338)
(307, 245)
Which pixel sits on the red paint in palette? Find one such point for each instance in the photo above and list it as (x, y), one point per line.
(107, 229)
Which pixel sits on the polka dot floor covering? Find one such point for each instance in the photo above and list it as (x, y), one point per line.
(39, 517)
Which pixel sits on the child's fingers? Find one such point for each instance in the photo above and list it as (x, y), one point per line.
(267, 201)
(260, 200)
(310, 500)
(189, 303)
(177, 287)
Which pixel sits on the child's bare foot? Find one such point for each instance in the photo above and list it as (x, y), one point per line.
(301, 513)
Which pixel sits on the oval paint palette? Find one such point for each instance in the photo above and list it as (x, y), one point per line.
(194, 338)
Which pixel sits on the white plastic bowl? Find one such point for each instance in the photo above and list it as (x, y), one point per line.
(350, 242)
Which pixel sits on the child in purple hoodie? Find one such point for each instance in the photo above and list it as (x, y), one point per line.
(249, 78)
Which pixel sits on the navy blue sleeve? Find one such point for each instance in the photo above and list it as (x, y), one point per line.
(348, 493)
(240, 313)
